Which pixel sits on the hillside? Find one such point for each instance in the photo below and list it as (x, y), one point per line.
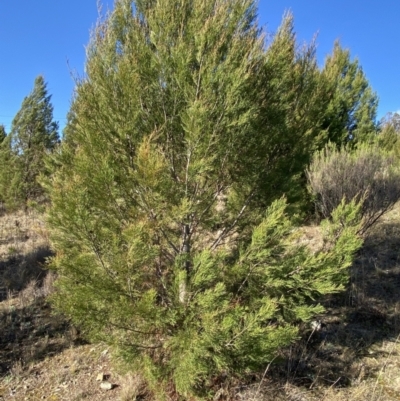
(353, 353)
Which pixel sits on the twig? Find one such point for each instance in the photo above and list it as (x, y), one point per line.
(263, 376)
(225, 231)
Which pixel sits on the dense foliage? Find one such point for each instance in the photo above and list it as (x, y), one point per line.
(389, 134)
(33, 135)
(3, 133)
(174, 241)
(351, 112)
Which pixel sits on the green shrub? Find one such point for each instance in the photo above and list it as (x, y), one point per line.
(165, 246)
(238, 309)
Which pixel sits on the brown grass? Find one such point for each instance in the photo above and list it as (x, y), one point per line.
(353, 355)
(366, 174)
(24, 247)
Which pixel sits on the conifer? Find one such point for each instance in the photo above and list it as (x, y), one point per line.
(351, 113)
(169, 245)
(33, 135)
(3, 133)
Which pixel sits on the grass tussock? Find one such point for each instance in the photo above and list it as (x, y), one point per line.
(351, 352)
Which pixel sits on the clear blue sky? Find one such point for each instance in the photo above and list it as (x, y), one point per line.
(48, 37)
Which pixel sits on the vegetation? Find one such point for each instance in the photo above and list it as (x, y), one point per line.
(368, 175)
(33, 135)
(351, 111)
(3, 133)
(388, 138)
(354, 355)
(172, 244)
(178, 197)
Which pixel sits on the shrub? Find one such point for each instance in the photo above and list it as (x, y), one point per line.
(165, 246)
(368, 175)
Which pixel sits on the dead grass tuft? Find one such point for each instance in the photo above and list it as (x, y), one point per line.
(132, 387)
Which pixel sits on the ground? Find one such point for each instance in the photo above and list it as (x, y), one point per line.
(351, 352)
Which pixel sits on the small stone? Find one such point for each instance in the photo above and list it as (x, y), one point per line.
(100, 377)
(106, 386)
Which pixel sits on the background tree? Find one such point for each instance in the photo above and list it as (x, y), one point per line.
(351, 112)
(3, 163)
(307, 107)
(391, 120)
(295, 99)
(33, 135)
(389, 133)
(3, 133)
(169, 244)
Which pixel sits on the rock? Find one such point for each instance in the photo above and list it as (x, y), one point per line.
(106, 386)
(100, 377)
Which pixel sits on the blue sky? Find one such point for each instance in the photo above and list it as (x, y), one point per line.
(48, 37)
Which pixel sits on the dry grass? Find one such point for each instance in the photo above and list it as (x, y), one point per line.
(24, 247)
(69, 375)
(367, 173)
(354, 354)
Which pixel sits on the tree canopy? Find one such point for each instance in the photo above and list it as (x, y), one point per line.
(3, 133)
(351, 112)
(173, 237)
(33, 135)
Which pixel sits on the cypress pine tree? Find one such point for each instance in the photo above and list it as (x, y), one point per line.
(351, 113)
(296, 96)
(3, 133)
(33, 135)
(164, 246)
(389, 131)
(3, 164)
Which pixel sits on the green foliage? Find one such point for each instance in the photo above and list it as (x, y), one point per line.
(389, 132)
(304, 108)
(351, 112)
(3, 133)
(368, 174)
(239, 307)
(294, 99)
(33, 135)
(10, 176)
(177, 143)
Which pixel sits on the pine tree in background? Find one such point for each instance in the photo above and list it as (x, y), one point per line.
(3, 133)
(389, 133)
(3, 162)
(33, 135)
(351, 113)
(165, 245)
(295, 99)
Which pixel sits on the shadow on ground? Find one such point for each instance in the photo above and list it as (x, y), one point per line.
(19, 269)
(30, 333)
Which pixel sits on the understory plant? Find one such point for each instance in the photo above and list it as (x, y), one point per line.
(370, 175)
